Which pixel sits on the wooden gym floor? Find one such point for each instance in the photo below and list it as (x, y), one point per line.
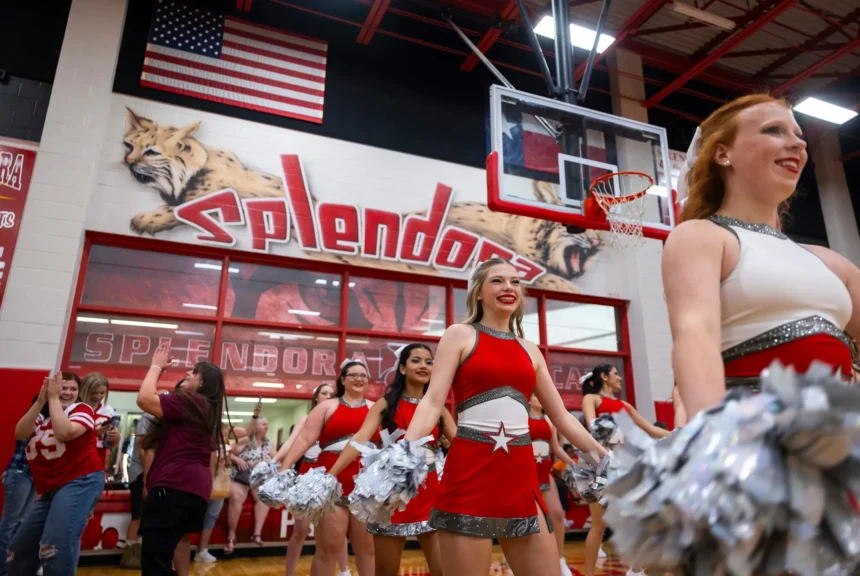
(412, 564)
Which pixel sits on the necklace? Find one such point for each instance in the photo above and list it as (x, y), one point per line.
(359, 405)
(493, 332)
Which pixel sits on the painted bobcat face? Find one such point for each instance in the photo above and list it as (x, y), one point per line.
(568, 255)
(163, 157)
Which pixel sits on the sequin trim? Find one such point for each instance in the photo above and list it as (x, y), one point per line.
(537, 419)
(760, 228)
(484, 527)
(335, 441)
(410, 529)
(348, 405)
(467, 433)
(495, 333)
(751, 382)
(343, 502)
(411, 400)
(783, 335)
(494, 394)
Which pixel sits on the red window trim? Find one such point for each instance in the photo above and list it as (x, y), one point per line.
(227, 256)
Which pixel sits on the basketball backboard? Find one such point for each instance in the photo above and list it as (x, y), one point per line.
(539, 144)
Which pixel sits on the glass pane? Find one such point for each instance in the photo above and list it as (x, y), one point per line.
(280, 413)
(580, 325)
(378, 354)
(139, 280)
(259, 359)
(391, 306)
(283, 295)
(567, 368)
(121, 347)
(531, 324)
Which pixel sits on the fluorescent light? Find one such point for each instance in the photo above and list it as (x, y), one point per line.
(322, 281)
(703, 16)
(279, 335)
(432, 321)
(352, 284)
(326, 339)
(580, 36)
(143, 324)
(190, 333)
(255, 400)
(658, 191)
(335, 282)
(354, 341)
(235, 413)
(201, 306)
(825, 111)
(267, 385)
(304, 312)
(207, 266)
(92, 320)
(298, 386)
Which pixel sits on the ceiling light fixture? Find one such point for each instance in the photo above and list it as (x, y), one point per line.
(267, 385)
(580, 36)
(825, 111)
(703, 16)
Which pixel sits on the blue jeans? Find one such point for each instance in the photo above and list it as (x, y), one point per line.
(18, 496)
(50, 537)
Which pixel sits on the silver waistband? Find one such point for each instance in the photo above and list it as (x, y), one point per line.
(410, 529)
(494, 394)
(484, 527)
(335, 441)
(477, 436)
(785, 334)
(751, 382)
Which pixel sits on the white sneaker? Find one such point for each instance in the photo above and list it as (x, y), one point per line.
(601, 554)
(565, 571)
(346, 572)
(204, 556)
(632, 573)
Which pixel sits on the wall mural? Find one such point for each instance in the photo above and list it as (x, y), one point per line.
(220, 196)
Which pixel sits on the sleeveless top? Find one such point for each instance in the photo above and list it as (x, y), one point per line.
(342, 426)
(541, 434)
(256, 453)
(403, 417)
(757, 317)
(609, 406)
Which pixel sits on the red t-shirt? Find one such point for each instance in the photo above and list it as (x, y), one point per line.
(54, 464)
(183, 456)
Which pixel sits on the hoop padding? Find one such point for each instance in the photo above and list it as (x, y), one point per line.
(620, 198)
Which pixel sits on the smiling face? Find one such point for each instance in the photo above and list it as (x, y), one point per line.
(355, 380)
(501, 292)
(97, 396)
(262, 426)
(68, 393)
(613, 380)
(192, 381)
(768, 153)
(418, 367)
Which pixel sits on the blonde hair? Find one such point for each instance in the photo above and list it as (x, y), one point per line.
(705, 178)
(475, 308)
(90, 382)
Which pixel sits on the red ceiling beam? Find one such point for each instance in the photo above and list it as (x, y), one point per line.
(829, 59)
(725, 48)
(629, 28)
(740, 22)
(805, 47)
(244, 5)
(371, 23)
(490, 37)
(824, 47)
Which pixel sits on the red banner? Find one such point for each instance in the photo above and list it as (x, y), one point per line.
(16, 167)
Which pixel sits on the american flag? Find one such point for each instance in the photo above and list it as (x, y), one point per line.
(205, 55)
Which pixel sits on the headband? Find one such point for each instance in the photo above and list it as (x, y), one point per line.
(345, 362)
(692, 153)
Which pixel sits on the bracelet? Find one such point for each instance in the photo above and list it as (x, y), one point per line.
(159, 368)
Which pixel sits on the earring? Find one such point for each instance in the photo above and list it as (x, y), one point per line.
(727, 163)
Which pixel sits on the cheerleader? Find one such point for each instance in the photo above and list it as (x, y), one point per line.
(302, 527)
(394, 412)
(545, 445)
(740, 293)
(599, 388)
(489, 488)
(333, 423)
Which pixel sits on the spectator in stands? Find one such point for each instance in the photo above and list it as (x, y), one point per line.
(68, 476)
(248, 453)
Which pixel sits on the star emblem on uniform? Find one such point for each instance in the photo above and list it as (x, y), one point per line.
(500, 438)
(539, 459)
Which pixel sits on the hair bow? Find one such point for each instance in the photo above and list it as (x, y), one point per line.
(400, 350)
(585, 378)
(692, 152)
(345, 362)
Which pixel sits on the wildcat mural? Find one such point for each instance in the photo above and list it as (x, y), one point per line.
(214, 192)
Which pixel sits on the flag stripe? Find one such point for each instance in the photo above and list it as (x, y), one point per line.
(267, 65)
(222, 99)
(239, 87)
(272, 38)
(236, 71)
(259, 48)
(286, 35)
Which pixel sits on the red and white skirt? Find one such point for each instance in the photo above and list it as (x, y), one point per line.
(415, 519)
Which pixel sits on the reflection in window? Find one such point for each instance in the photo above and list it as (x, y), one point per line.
(391, 306)
(580, 325)
(566, 368)
(261, 359)
(134, 279)
(283, 295)
(531, 323)
(378, 354)
(121, 347)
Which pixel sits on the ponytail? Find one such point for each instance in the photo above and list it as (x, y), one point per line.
(592, 383)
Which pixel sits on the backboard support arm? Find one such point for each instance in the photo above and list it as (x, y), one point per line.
(541, 59)
(589, 63)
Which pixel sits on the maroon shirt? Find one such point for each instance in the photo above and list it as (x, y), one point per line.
(183, 456)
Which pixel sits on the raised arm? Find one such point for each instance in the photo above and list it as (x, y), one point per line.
(692, 271)
(552, 404)
(310, 433)
(445, 363)
(368, 429)
(27, 424)
(65, 430)
(640, 421)
(147, 397)
(556, 448)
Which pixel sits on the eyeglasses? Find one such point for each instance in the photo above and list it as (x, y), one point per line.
(357, 376)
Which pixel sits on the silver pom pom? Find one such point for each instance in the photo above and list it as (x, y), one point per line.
(605, 430)
(390, 478)
(262, 472)
(761, 484)
(440, 463)
(273, 491)
(588, 478)
(314, 494)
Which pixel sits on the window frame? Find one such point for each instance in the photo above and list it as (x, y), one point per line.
(341, 331)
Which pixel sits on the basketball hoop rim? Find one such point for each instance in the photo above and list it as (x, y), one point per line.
(611, 199)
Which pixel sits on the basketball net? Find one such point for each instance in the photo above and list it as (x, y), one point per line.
(620, 198)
